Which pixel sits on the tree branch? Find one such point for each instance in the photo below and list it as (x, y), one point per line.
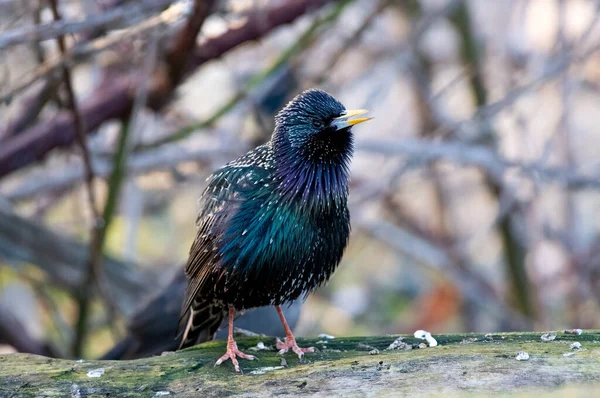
(344, 366)
(80, 136)
(63, 260)
(114, 98)
(113, 19)
(476, 155)
(13, 333)
(303, 41)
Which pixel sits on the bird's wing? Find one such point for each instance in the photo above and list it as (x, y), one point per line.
(227, 189)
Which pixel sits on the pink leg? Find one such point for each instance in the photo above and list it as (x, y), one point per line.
(232, 349)
(290, 340)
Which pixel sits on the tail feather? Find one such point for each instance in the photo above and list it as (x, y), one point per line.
(202, 322)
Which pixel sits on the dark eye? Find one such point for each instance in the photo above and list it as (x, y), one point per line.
(317, 124)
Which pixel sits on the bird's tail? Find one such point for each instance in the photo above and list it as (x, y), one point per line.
(201, 322)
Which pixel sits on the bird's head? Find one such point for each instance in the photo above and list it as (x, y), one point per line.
(316, 128)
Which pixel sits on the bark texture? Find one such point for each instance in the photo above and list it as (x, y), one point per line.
(471, 364)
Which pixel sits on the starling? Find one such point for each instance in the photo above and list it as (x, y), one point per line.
(274, 223)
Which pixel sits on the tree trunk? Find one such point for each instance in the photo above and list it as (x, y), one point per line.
(344, 366)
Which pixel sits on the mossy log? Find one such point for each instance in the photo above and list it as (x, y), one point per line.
(348, 367)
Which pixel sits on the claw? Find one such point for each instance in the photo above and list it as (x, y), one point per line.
(232, 353)
(290, 342)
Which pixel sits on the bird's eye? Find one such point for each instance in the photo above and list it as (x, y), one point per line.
(317, 124)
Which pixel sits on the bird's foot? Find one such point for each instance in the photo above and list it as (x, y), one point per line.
(290, 342)
(232, 353)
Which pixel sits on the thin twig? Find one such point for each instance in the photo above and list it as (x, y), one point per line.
(117, 18)
(431, 116)
(302, 42)
(351, 40)
(493, 164)
(42, 181)
(81, 52)
(176, 63)
(564, 135)
(93, 271)
(426, 253)
(114, 98)
(65, 260)
(31, 106)
(114, 189)
(80, 136)
(513, 250)
(62, 327)
(417, 152)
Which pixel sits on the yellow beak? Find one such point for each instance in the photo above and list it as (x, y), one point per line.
(344, 120)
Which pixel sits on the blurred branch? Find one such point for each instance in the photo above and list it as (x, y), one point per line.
(565, 140)
(472, 284)
(92, 276)
(81, 52)
(92, 272)
(431, 119)
(351, 40)
(80, 136)
(112, 19)
(31, 106)
(64, 260)
(63, 329)
(114, 187)
(257, 24)
(114, 98)
(295, 49)
(418, 152)
(179, 55)
(167, 157)
(13, 333)
(492, 163)
(552, 69)
(514, 252)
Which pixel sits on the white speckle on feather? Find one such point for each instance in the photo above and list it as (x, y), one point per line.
(95, 372)
(245, 232)
(522, 356)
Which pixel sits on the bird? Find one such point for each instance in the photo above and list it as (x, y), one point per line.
(273, 224)
(151, 328)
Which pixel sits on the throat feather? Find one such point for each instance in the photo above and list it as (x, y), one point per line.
(320, 185)
(312, 168)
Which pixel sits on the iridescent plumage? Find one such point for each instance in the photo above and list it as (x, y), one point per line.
(274, 223)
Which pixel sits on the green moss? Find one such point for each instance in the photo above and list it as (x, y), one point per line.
(467, 362)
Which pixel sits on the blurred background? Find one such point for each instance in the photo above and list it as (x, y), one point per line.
(475, 190)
